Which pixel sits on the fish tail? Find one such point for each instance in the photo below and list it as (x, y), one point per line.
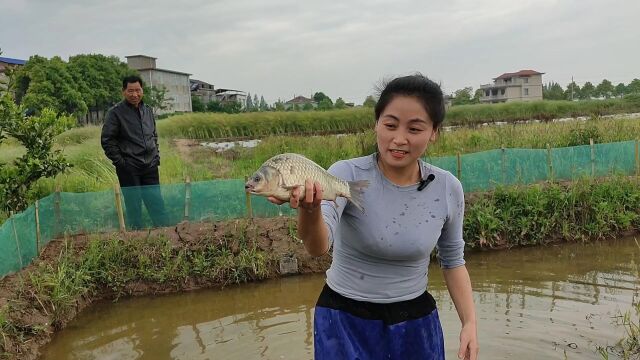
(356, 190)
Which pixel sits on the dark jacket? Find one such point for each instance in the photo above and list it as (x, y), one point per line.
(129, 136)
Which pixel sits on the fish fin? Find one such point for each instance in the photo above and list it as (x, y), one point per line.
(356, 189)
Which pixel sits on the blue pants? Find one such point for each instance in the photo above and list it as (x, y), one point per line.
(349, 329)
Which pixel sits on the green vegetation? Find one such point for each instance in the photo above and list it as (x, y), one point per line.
(36, 134)
(538, 214)
(263, 124)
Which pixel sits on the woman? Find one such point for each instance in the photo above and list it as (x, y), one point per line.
(375, 304)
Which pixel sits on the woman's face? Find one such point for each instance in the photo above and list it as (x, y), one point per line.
(403, 131)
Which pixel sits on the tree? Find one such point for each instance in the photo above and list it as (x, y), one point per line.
(257, 104)
(156, 98)
(552, 91)
(197, 105)
(214, 106)
(278, 105)
(36, 134)
(307, 107)
(477, 95)
(462, 96)
(98, 78)
(43, 83)
(325, 104)
(620, 90)
(604, 89)
(634, 86)
(263, 104)
(572, 92)
(369, 101)
(587, 91)
(319, 96)
(250, 106)
(340, 104)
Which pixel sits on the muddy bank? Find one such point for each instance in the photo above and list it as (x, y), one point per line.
(29, 317)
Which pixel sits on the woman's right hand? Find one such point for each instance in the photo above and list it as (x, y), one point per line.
(312, 197)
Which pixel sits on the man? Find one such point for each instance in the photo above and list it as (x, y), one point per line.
(130, 140)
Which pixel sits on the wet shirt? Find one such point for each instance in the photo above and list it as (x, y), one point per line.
(383, 254)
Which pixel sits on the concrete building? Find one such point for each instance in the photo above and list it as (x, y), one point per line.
(300, 101)
(175, 82)
(524, 85)
(204, 91)
(6, 63)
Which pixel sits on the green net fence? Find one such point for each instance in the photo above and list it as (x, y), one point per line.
(24, 234)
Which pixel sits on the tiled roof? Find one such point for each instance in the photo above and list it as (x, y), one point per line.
(519, 73)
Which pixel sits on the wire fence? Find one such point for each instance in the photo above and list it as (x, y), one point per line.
(23, 235)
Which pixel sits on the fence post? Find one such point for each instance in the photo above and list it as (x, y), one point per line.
(116, 192)
(187, 197)
(593, 159)
(248, 197)
(549, 163)
(15, 235)
(56, 212)
(459, 167)
(637, 159)
(38, 227)
(503, 162)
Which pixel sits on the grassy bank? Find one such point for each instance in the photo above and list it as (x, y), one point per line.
(91, 170)
(263, 124)
(69, 275)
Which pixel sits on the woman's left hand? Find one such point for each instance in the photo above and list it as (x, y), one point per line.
(468, 343)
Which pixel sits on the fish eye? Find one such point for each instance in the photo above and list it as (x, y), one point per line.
(256, 178)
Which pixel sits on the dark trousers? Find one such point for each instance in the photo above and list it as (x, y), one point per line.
(141, 185)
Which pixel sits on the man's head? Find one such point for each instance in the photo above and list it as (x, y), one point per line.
(132, 89)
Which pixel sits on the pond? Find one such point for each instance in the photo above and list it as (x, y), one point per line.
(551, 302)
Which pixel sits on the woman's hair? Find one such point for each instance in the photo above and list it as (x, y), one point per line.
(418, 86)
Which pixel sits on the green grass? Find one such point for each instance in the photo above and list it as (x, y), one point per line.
(534, 215)
(263, 124)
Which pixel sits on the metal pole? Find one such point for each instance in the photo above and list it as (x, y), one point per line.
(38, 227)
(187, 197)
(593, 159)
(549, 163)
(248, 199)
(116, 192)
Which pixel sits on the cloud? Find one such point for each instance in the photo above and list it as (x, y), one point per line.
(284, 48)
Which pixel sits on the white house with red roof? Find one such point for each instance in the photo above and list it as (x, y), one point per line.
(523, 85)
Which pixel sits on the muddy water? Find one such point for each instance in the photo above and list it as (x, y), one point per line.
(538, 303)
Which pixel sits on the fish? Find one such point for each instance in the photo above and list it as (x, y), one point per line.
(282, 173)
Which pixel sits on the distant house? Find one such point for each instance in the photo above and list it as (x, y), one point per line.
(300, 101)
(6, 63)
(202, 90)
(524, 85)
(175, 82)
(225, 96)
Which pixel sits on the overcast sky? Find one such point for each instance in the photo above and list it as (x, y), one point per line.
(282, 48)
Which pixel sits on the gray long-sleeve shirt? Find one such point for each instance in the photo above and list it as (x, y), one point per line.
(383, 254)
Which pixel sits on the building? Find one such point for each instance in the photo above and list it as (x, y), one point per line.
(6, 63)
(176, 83)
(224, 96)
(202, 90)
(300, 102)
(524, 85)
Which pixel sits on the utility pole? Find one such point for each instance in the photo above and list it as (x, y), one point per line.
(571, 88)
